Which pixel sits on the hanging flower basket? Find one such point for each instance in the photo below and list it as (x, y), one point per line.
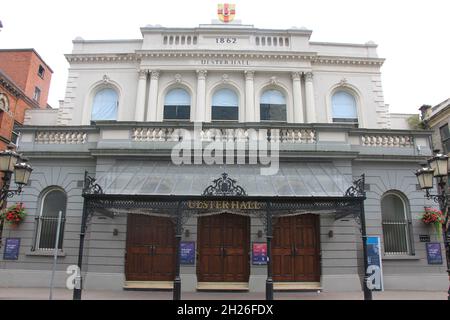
(14, 214)
(434, 216)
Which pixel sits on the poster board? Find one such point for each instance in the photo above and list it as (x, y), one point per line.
(259, 253)
(375, 268)
(12, 247)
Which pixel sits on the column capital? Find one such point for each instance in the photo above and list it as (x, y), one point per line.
(249, 74)
(309, 76)
(142, 73)
(296, 75)
(201, 74)
(155, 74)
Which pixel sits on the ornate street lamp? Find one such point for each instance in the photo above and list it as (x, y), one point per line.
(12, 162)
(438, 169)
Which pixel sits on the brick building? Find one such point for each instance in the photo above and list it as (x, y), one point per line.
(24, 84)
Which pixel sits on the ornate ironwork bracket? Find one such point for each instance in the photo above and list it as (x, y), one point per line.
(5, 192)
(357, 190)
(224, 186)
(90, 187)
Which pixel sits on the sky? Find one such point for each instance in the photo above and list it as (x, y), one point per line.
(412, 35)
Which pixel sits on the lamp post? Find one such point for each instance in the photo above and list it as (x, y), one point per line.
(438, 168)
(12, 162)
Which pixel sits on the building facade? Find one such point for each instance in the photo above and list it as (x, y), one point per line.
(291, 121)
(24, 84)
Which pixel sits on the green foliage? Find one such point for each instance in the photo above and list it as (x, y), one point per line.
(415, 123)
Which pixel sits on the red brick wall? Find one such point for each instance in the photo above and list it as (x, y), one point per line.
(22, 67)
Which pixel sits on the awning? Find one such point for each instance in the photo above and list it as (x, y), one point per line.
(297, 179)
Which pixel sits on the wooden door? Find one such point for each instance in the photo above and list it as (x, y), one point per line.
(151, 249)
(296, 249)
(223, 246)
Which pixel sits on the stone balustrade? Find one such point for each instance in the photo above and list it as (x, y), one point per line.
(146, 134)
(60, 137)
(393, 141)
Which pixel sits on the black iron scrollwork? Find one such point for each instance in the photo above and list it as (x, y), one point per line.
(357, 190)
(224, 186)
(90, 187)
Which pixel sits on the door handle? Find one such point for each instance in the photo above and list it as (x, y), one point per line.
(293, 250)
(150, 250)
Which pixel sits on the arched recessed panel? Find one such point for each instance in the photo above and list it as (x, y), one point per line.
(105, 104)
(344, 107)
(225, 105)
(272, 106)
(177, 105)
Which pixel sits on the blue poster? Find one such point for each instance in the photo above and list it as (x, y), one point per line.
(187, 252)
(259, 253)
(374, 270)
(434, 254)
(12, 246)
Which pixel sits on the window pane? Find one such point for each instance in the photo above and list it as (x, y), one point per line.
(274, 112)
(105, 105)
(178, 97)
(273, 97)
(395, 225)
(53, 202)
(225, 105)
(225, 113)
(343, 106)
(445, 133)
(177, 112)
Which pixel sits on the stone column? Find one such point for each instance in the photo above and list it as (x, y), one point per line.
(201, 96)
(310, 104)
(139, 114)
(250, 111)
(298, 99)
(152, 106)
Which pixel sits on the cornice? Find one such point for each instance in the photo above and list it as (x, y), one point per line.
(306, 56)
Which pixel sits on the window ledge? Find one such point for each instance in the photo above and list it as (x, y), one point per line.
(400, 257)
(45, 253)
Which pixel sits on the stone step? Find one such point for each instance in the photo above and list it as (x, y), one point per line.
(222, 286)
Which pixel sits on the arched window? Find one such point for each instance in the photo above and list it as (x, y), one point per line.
(272, 106)
(344, 107)
(396, 224)
(52, 202)
(105, 105)
(225, 105)
(177, 105)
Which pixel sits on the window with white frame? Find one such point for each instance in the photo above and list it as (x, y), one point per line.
(445, 138)
(396, 223)
(105, 105)
(344, 107)
(177, 105)
(53, 201)
(272, 106)
(225, 105)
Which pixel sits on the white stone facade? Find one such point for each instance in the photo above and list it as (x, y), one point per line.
(142, 71)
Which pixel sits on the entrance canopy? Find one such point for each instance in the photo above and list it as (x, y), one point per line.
(294, 179)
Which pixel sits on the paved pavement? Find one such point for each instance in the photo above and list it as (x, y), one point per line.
(64, 294)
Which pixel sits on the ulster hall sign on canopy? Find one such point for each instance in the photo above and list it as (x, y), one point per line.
(232, 100)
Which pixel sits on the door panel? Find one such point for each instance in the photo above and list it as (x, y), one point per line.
(296, 249)
(223, 248)
(151, 249)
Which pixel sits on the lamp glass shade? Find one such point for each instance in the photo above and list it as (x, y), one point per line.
(22, 172)
(425, 178)
(441, 166)
(8, 160)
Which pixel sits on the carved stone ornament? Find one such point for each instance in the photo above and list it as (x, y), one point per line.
(343, 82)
(273, 80)
(178, 78)
(225, 78)
(296, 75)
(155, 74)
(249, 75)
(143, 73)
(106, 79)
(201, 74)
(309, 76)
